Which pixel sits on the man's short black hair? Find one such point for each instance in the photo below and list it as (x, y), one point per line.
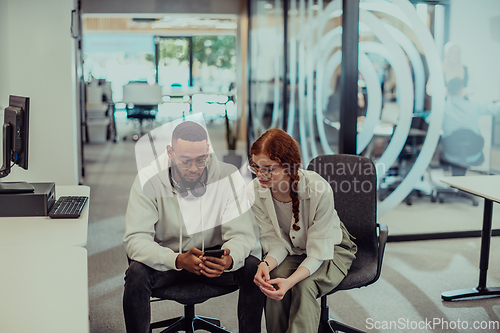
(189, 131)
(454, 86)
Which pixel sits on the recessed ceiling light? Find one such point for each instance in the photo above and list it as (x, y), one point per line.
(268, 6)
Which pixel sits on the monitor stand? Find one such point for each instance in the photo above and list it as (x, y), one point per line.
(16, 187)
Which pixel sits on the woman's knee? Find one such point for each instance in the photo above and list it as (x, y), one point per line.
(280, 272)
(284, 270)
(305, 289)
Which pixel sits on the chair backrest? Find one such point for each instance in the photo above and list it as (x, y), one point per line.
(354, 183)
(142, 93)
(462, 143)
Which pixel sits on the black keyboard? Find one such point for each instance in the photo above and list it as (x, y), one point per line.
(67, 207)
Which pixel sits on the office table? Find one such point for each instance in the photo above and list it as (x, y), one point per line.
(44, 289)
(44, 231)
(487, 187)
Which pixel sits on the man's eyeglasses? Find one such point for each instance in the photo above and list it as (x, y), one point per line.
(265, 172)
(199, 162)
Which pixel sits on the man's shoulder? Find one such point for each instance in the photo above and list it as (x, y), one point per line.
(227, 169)
(224, 171)
(152, 184)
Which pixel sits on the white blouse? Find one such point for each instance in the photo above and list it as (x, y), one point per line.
(284, 213)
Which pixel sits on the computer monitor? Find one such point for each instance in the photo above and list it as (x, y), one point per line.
(15, 142)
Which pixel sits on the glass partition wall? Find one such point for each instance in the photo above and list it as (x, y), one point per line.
(426, 83)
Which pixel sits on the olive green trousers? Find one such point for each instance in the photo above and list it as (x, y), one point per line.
(299, 310)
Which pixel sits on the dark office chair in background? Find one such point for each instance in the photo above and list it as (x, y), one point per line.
(142, 100)
(357, 209)
(190, 294)
(457, 149)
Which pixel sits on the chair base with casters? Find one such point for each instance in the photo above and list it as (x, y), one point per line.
(438, 195)
(440, 192)
(190, 294)
(189, 323)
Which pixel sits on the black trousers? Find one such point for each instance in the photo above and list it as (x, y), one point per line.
(140, 280)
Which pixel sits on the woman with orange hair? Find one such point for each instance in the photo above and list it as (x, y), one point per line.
(307, 249)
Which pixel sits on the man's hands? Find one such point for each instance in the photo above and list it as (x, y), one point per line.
(194, 262)
(190, 261)
(214, 267)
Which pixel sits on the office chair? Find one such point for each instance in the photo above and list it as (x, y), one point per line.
(190, 294)
(457, 150)
(141, 101)
(356, 206)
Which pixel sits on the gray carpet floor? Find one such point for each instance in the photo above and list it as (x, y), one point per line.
(407, 294)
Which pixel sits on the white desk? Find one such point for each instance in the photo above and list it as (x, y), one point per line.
(172, 95)
(44, 231)
(44, 289)
(487, 187)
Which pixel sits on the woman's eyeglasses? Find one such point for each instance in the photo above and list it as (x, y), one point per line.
(265, 172)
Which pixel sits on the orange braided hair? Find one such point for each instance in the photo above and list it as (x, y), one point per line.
(282, 148)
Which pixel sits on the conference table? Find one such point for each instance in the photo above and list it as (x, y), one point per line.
(487, 187)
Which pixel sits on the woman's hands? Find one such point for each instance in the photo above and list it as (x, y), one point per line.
(275, 288)
(281, 286)
(262, 277)
(278, 287)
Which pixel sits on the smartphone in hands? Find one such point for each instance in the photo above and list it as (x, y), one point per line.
(214, 253)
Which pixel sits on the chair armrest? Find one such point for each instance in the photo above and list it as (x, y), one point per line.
(382, 240)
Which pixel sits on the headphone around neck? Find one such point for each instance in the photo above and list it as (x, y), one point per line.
(197, 191)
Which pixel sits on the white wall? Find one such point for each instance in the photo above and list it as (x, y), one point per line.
(37, 60)
(470, 28)
(3, 57)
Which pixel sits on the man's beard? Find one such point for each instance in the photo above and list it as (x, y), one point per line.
(189, 184)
